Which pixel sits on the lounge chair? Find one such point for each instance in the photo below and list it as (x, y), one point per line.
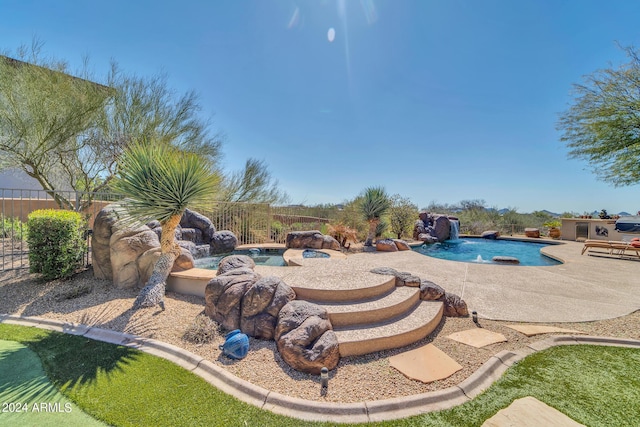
(612, 247)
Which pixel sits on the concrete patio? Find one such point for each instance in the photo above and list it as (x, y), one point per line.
(583, 288)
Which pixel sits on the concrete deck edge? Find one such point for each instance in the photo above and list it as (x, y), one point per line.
(309, 410)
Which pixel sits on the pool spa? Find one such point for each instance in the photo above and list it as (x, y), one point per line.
(270, 257)
(261, 256)
(482, 251)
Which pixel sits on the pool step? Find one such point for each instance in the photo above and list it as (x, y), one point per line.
(412, 326)
(387, 306)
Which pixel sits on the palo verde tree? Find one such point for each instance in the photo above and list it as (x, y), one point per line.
(374, 204)
(253, 184)
(602, 126)
(68, 132)
(44, 113)
(159, 182)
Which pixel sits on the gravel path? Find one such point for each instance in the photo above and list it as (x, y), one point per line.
(87, 300)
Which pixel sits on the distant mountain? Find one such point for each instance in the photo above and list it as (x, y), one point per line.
(623, 213)
(553, 214)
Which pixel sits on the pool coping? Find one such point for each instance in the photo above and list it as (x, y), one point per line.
(309, 410)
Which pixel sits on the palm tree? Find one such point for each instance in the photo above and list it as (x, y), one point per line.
(375, 203)
(160, 182)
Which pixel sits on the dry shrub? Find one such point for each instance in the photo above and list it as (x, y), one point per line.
(203, 330)
(342, 233)
(76, 291)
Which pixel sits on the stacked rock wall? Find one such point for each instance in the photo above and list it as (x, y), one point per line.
(454, 306)
(126, 253)
(266, 308)
(432, 228)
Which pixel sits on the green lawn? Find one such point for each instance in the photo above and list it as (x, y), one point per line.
(594, 385)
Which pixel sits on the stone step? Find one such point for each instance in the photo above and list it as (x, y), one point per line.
(324, 284)
(389, 305)
(412, 326)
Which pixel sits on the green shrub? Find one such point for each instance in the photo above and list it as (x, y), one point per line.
(12, 228)
(56, 243)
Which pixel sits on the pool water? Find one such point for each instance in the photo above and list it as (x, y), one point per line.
(270, 257)
(483, 250)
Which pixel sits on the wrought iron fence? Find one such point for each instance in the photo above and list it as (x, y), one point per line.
(17, 204)
(252, 223)
(255, 223)
(504, 229)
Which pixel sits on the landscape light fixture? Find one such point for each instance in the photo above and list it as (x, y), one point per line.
(474, 315)
(324, 381)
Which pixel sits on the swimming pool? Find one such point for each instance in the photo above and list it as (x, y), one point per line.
(478, 250)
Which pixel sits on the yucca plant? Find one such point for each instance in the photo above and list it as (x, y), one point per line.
(375, 203)
(160, 182)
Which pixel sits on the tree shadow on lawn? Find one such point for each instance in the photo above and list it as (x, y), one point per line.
(72, 360)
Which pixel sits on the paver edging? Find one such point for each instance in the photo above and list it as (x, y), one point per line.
(379, 410)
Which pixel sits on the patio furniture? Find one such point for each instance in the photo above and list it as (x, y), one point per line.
(612, 247)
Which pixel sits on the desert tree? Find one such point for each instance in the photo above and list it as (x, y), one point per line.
(45, 113)
(402, 215)
(159, 182)
(602, 125)
(253, 184)
(68, 132)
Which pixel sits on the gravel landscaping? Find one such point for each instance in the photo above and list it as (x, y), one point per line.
(87, 300)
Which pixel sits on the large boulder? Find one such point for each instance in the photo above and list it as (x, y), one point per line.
(120, 249)
(429, 291)
(386, 271)
(432, 228)
(402, 245)
(261, 304)
(192, 235)
(233, 262)
(386, 245)
(100, 239)
(505, 260)
(402, 278)
(441, 228)
(532, 232)
(197, 251)
(305, 337)
(311, 239)
(125, 246)
(203, 229)
(425, 217)
(418, 229)
(223, 242)
(490, 234)
(454, 306)
(427, 238)
(223, 296)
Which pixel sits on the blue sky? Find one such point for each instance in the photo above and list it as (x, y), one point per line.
(434, 100)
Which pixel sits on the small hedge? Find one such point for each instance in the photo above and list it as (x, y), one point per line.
(56, 243)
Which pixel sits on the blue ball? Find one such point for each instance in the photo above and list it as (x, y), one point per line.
(236, 345)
